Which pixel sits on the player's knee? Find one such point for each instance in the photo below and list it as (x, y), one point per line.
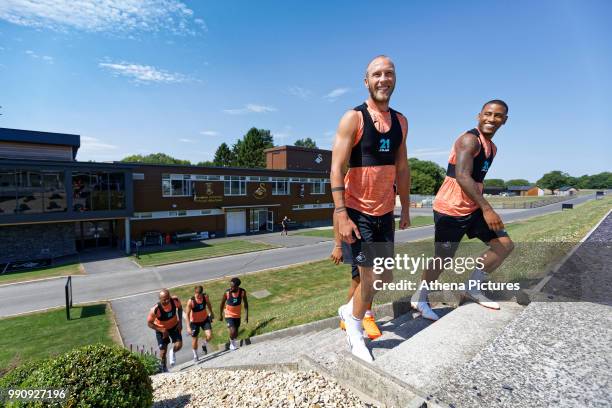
(178, 345)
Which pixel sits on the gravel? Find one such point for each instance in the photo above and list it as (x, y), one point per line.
(249, 388)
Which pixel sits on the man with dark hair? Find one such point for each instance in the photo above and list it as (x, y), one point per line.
(198, 317)
(371, 140)
(165, 318)
(231, 307)
(460, 208)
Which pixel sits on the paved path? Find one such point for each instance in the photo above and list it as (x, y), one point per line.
(114, 284)
(558, 352)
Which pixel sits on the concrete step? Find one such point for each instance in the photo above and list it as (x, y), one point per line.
(433, 354)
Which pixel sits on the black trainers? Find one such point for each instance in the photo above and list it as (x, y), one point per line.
(204, 350)
(164, 368)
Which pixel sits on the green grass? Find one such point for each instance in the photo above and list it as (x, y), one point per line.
(418, 221)
(202, 251)
(46, 334)
(74, 268)
(314, 290)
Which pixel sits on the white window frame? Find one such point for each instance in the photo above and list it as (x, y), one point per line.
(320, 184)
(227, 185)
(279, 181)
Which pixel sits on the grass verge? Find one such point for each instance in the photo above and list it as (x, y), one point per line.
(74, 268)
(201, 251)
(313, 291)
(418, 221)
(46, 334)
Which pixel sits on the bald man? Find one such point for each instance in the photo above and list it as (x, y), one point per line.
(371, 140)
(165, 318)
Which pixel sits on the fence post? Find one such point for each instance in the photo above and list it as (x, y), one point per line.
(68, 292)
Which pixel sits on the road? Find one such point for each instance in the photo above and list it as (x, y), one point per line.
(113, 285)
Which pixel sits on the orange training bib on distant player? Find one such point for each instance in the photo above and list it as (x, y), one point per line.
(198, 310)
(233, 303)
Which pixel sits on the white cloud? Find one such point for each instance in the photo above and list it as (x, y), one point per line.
(330, 133)
(250, 108)
(143, 73)
(209, 133)
(334, 94)
(94, 145)
(115, 16)
(300, 92)
(186, 140)
(48, 59)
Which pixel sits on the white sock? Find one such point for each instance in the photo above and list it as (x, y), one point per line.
(195, 352)
(204, 342)
(349, 307)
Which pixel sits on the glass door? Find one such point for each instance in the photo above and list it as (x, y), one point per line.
(270, 221)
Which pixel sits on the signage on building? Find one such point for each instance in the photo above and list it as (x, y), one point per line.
(261, 192)
(318, 158)
(207, 199)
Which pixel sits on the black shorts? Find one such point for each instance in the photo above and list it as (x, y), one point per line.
(450, 230)
(347, 258)
(195, 327)
(174, 334)
(233, 322)
(377, 237)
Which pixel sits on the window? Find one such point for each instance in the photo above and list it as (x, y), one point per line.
(281, 186)
(318, 186)
(234, 186)
(176, 185)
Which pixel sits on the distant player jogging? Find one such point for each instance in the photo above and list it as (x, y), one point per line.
(199, 315)
(165, 318)
(461, 209)
(231, 308)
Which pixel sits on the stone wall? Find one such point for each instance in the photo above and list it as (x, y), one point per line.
(37, 241)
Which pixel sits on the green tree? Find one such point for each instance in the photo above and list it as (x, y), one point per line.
(249, 152)
(206, 163)
(308, 142)
(601, 180)
(494, 183)
(426, 177)
(223, 156)
(155, 158)
(517, 182)
(554, 180)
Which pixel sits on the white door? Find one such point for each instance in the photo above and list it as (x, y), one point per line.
(236, 222)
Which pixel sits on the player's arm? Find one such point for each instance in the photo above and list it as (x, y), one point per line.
(179, 314)
(246, 305)
(209, 306)
(152, 325)
(188, 314)
(222, 307)
(341, 152)
(336, 254)
(466, 148)
(402, 170)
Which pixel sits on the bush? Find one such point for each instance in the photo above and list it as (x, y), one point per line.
(96, 376)
(19, 374)
(151, 363)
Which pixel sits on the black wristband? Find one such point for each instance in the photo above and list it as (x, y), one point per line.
(340, 209)
(334, 189)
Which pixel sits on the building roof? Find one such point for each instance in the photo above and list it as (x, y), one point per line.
(193, 166)
(288, 147)
(32, 136)
(520, 188)
(566, 188)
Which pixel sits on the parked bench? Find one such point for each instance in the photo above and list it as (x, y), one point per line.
(567, 207)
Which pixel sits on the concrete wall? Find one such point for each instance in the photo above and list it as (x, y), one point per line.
(36, 241)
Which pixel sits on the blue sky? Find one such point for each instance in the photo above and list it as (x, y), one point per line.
(144, 76)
